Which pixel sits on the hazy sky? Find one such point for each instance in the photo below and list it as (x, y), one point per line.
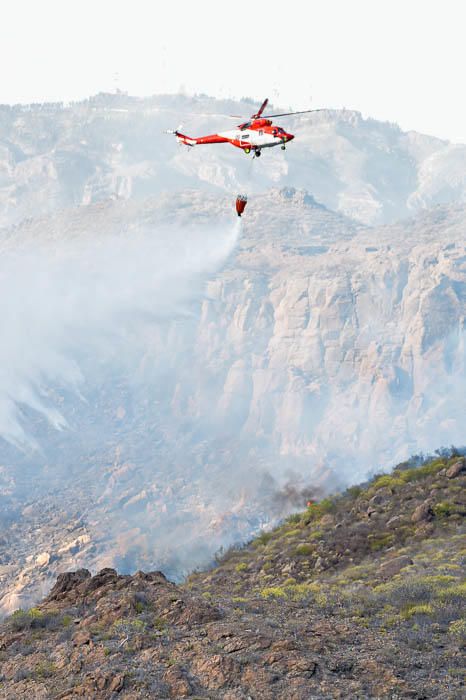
(397, 60)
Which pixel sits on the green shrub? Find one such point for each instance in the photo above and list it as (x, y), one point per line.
(387, 480)
(422, 595)
(303, 550)
(353, 492)
(34, 619)
(160, 624)
(438, 580)
(125, 627)
(263, 538)
(242, 566)
(419, 473)
(444, 509)
(294, 519)
(273, 592)
(456, 592)
(378, 543)
(293, 533)
(19, 620)
(357, 572)
(316, 510)
(421, 609)
(45, 669)
(302, 591)
(457, 628)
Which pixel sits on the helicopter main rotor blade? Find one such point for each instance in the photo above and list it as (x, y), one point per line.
(288, 114)
(261, 109)
(213, 114)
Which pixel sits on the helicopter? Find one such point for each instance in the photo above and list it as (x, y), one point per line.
(253, 135)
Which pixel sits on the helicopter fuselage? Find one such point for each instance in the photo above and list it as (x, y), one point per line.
(250, 136)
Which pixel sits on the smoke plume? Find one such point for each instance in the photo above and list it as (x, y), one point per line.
(66, 300)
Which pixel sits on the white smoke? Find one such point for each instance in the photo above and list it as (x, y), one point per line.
(63, 299)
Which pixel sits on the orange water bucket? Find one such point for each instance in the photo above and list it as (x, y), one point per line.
(241, 201)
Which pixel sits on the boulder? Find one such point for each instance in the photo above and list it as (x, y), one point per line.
(424, 529)
(75, 545)
(102, 578)
(43, 559)
(117, 683)
(456, 469)
(423, 512)
(81, 638)
(394, 522)
(67, 581)
(393, 566)
(382, 496)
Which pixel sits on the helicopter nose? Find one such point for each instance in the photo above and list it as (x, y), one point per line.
(288, 137)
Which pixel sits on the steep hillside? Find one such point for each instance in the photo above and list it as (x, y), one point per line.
(57, 156)
(321, 350)
(361, 595)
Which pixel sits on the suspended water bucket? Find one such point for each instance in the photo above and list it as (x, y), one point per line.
(241, 201)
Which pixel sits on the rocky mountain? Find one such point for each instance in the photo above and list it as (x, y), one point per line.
(56, 156)
(358, 596)
(319, 351)
(171, 381)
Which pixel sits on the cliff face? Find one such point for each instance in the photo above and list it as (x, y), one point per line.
(318, 338)
(346, 351)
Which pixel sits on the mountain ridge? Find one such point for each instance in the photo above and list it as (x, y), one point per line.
(112, 146)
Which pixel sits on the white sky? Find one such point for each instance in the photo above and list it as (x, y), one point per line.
(396, 60)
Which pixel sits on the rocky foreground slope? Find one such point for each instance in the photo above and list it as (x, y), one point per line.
(361, 596)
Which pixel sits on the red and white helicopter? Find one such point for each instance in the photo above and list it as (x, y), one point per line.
(252, 136)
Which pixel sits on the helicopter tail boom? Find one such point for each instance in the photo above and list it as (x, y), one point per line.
(189, 141)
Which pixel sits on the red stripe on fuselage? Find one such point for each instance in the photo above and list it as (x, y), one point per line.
(212, 138)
